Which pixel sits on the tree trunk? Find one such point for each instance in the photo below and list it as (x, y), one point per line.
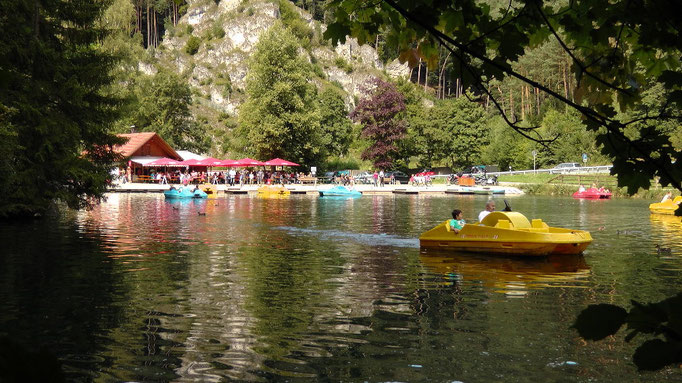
(148, 25)
(156, 29)
(523, 105)
(563, 68)
(501, 98)
(419, 72)
(442, 70)
(537, 100)
(426, 77)
(511, 106)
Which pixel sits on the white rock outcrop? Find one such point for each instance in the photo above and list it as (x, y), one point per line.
(243, 22)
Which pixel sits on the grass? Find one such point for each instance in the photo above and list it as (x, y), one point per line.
(555, 184)
(526, 178)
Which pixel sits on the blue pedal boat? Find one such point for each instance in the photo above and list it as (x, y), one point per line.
(339, 191)
(184, 193)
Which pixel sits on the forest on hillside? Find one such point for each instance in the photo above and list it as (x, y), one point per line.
(104, 69)
(435, 100)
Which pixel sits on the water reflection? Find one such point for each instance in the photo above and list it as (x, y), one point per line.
(513, 276)
(309, 288)
(667, 222)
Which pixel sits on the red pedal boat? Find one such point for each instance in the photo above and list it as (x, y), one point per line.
(593, 193)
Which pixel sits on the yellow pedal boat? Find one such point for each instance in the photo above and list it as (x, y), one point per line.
(209, 189)
(667, 207)
(270, 190)
(507, 233)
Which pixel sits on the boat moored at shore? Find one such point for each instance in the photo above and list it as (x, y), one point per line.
(339, 191)
(184, 192)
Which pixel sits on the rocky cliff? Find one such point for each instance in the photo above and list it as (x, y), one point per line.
(227, 32)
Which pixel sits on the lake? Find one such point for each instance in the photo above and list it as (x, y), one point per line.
(307, 289)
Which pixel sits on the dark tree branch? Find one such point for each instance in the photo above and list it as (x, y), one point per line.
(502, 25)
(476, 76)
(612, 126)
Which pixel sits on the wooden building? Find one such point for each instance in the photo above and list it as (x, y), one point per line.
(141, 149)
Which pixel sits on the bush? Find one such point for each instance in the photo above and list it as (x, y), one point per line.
(319, 72)
(192, 46)
(343, 64)
(217, 31)
(341, 164)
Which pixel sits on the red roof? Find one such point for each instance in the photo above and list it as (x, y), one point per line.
(146, 144)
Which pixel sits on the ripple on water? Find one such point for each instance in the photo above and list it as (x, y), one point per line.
(308, 289)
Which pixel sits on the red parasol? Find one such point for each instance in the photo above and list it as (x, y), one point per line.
(248, 162)
(228, 163)
(210, 161)
(280, 162)
(165, 162)
(192, 162)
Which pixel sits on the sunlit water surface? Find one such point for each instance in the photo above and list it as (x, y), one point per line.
(306, 288)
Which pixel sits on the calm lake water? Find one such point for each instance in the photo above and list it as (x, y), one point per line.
(308, 289)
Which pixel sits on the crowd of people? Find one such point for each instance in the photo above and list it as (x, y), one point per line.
(230, 177)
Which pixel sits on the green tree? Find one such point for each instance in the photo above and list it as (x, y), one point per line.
(573, 140)
(337, 128)
(279, 117)
(506, 147)
(625, 46)
(163, 106)
(54, 119)
(453, 130)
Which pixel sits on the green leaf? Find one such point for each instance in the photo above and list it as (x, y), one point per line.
(599, 321)
(337, 32)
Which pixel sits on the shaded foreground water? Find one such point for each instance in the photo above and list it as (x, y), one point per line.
(307, 288)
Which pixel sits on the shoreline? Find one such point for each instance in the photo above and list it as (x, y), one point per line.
(314, 189)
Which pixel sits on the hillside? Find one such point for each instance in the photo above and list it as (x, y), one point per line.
(222, 36)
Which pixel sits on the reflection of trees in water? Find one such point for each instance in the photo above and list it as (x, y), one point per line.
(58, 291)
(144, 233)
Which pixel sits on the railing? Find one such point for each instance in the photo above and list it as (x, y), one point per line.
(594, 179)
(581, 170)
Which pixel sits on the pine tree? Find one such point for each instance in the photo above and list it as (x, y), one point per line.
(54, 120)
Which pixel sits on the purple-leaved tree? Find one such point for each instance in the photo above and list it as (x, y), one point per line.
(378, 112)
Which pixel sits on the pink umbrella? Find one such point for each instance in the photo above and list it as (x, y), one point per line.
(210, 161)
(165, 162)
(248, 162)
(192, 162)
(228, 163)
(280, 162)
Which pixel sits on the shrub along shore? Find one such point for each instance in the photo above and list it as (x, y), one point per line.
(566, 185)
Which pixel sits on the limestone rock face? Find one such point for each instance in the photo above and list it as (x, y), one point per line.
(228, 32)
